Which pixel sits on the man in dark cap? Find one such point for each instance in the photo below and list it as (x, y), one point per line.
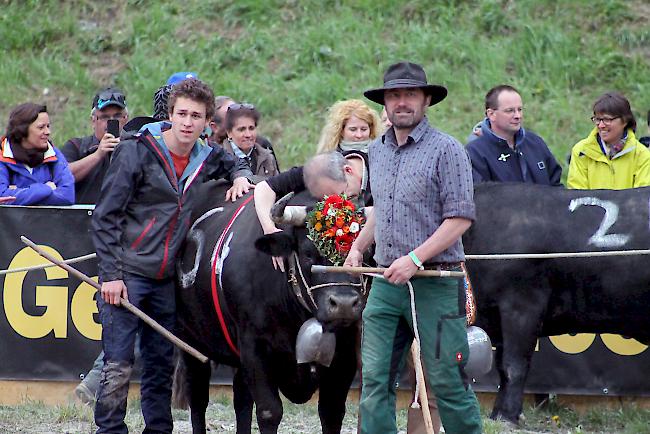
(421, 180)
(88, 157)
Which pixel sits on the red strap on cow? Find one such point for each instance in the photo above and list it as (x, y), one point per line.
(213, 277)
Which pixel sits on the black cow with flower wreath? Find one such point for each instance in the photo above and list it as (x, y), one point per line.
(233, 306)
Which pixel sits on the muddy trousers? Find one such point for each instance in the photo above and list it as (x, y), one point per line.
(387, 334)
(119, 328)
(91, 380)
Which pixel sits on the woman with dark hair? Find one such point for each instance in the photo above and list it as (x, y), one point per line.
(611, 157)
(31, 169)
(241, 130)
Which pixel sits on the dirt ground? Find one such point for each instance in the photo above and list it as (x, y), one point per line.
(38, 418)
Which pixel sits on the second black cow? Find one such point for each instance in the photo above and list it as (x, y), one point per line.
(521, 300)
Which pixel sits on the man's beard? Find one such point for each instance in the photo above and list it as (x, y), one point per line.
(410, 121)
(404, 124)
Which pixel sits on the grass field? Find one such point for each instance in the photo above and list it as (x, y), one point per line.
(293, 58)
(37, 418)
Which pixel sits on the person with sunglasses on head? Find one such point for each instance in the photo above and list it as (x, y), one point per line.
(32, 170)
(241, 130)
(611, 157)
(88, 157)
(218, 126)
(506, 152)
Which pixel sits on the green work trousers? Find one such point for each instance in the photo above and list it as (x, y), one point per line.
(387, 334)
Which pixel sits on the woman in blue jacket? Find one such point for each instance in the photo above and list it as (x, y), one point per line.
(31, 169)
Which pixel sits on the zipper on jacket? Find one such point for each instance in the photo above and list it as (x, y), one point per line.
(144, 232)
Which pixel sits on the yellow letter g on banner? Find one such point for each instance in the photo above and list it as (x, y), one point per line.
(53, 298)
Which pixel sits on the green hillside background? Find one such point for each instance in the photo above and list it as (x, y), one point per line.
(293, 59)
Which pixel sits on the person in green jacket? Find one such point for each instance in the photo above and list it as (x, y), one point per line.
(611, 157)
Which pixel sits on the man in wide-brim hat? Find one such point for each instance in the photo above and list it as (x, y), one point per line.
(421, 179)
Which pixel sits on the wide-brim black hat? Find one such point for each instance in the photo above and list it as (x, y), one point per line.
(404, 75)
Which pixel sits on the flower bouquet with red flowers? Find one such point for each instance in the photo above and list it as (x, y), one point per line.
(333, 225)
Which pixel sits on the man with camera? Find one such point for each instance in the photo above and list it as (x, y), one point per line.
(88, 157)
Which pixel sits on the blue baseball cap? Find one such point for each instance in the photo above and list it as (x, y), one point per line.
(177, 77)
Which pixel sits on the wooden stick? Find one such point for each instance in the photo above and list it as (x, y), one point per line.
(362, 270)
(422, 387)
(131, 308)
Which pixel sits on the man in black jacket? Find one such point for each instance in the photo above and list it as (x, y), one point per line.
(139, 224)
(504, 150)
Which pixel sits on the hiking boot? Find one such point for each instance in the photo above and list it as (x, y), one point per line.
(84, 394)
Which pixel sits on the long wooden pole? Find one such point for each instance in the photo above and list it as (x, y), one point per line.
(422, 387)
(131, 308)
(362, 270)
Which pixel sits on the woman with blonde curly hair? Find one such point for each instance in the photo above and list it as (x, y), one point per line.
(351, 125)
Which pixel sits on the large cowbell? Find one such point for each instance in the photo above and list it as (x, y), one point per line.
(479, 361)
(314, 345)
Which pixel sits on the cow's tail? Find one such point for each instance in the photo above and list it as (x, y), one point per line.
(180, 394)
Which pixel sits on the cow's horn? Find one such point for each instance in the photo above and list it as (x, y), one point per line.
(281, 213)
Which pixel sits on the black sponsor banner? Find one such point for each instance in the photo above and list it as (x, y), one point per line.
(49, 326)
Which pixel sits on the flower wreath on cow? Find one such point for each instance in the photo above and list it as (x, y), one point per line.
(333, 225)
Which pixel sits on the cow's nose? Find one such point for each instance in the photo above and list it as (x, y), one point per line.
(343, 305)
